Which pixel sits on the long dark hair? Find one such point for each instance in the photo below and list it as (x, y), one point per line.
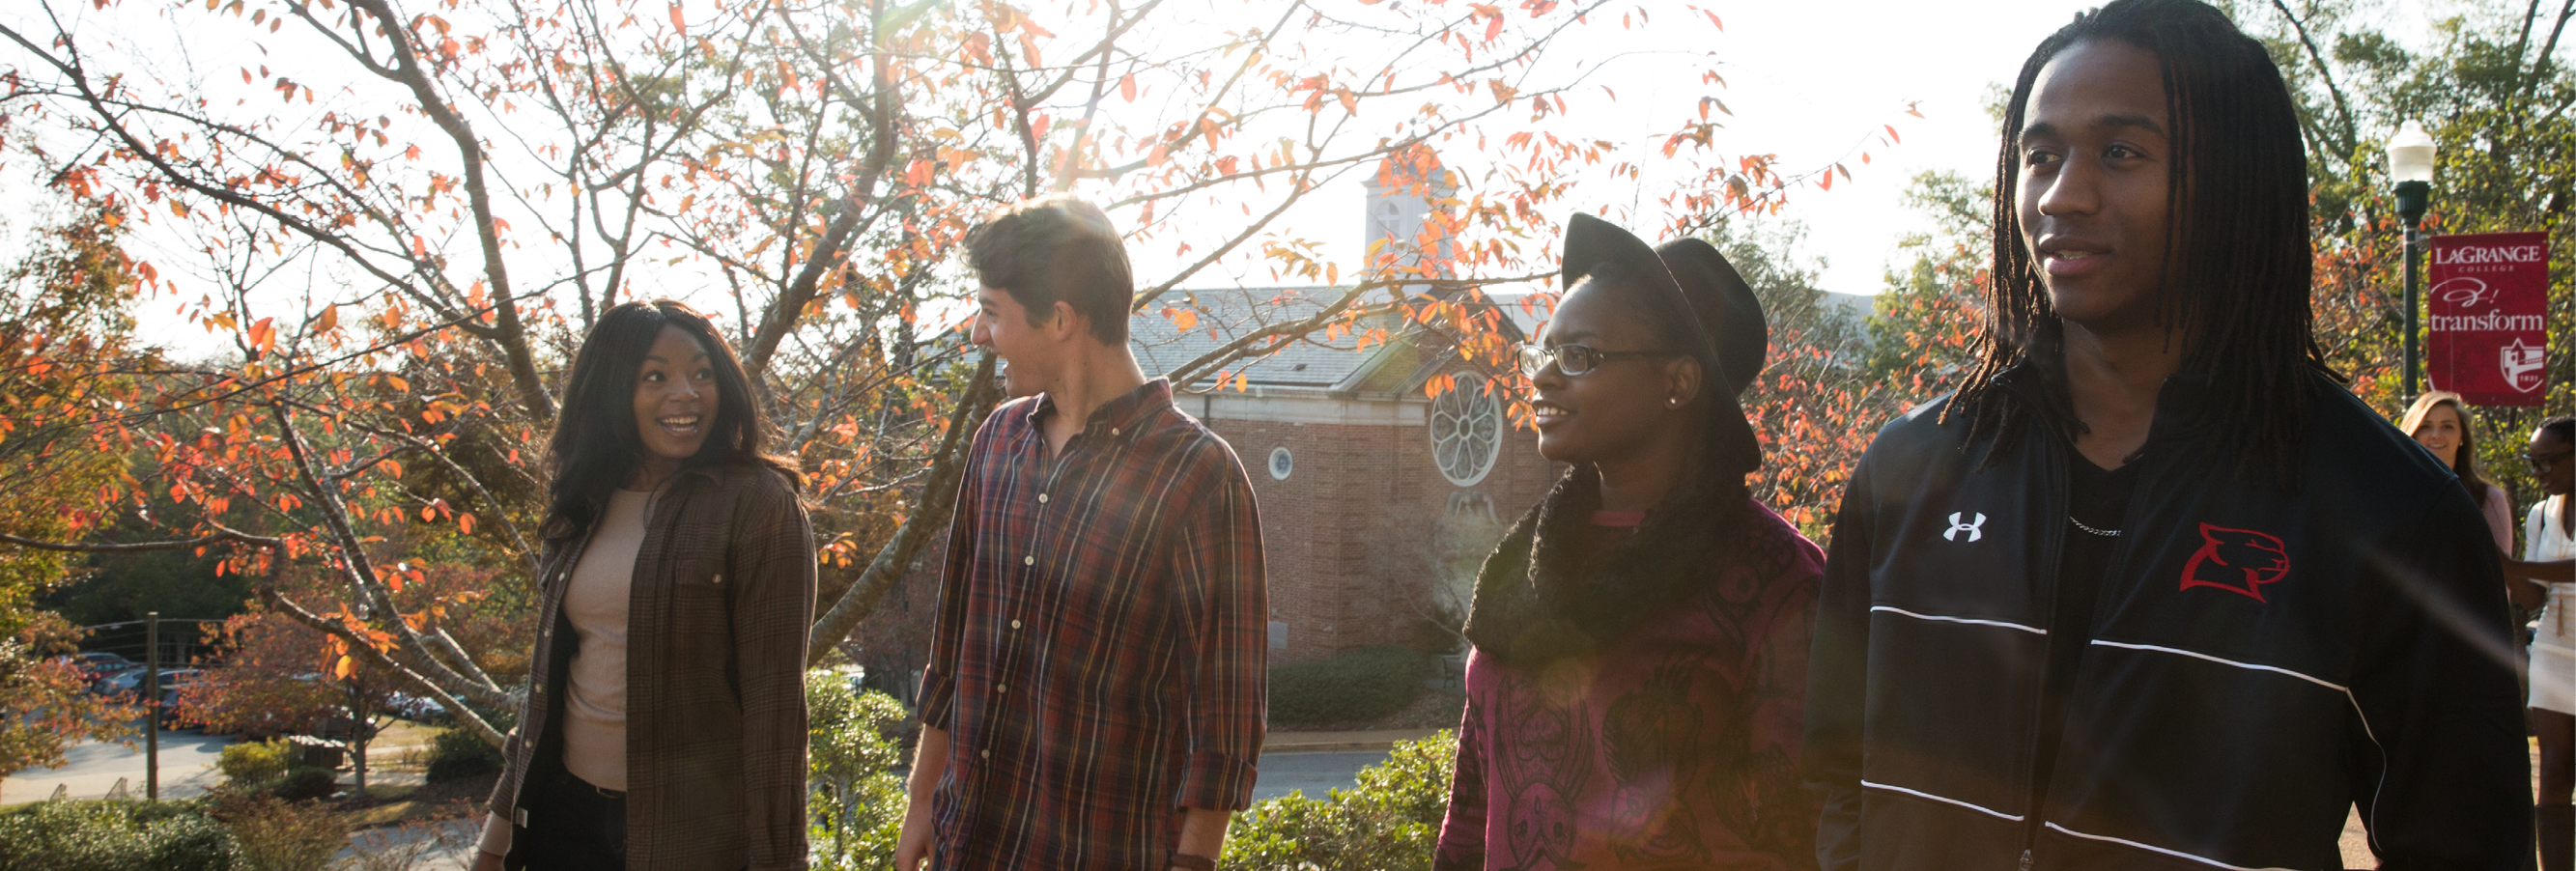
(2237, 262)
(2464, 463)
(596, 447)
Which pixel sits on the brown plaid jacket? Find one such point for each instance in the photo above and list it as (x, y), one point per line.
(715, 666)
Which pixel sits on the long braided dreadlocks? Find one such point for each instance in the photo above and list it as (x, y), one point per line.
(2236, 277)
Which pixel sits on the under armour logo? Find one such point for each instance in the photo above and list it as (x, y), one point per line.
(1971, 527)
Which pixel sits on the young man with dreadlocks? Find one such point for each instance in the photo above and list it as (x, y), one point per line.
(2152, 590)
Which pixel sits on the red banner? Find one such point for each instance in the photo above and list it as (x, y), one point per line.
(2488, 297)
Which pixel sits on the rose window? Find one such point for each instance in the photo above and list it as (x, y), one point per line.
(1466, 430)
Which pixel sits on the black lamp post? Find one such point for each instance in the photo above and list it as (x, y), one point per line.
(2410, 161)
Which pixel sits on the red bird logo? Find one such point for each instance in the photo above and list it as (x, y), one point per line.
(2236, 560)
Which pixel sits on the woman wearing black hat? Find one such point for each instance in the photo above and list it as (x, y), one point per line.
(1635, 695)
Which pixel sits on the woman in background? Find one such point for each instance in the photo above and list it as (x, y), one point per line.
(1635, 695)
(665, 723)
(2547, 573)
(2440, 422)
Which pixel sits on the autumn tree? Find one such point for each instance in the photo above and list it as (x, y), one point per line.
(65, 361)
(399, 222)
(2492, 85)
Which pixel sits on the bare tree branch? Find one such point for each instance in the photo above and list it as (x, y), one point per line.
(930, 514)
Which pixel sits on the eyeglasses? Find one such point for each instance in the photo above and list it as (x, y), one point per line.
(2541, 463)
(1575, 360)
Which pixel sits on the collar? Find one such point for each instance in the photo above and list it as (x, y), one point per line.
(1118, 418)
(2182, 401)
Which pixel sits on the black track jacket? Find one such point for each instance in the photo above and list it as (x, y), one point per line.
(2257, 662)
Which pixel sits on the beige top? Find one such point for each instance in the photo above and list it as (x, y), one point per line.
(594, 719)
(594, 725)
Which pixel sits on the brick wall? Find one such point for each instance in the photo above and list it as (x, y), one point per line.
(1352, 533)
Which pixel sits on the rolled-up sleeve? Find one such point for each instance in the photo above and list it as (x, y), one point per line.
(774, 566)
(1224, 593)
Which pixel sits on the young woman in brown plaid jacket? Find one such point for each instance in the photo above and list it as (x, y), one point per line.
(664, 727)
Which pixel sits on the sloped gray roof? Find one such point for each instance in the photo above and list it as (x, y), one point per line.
(1338, 365)
(1225, 314)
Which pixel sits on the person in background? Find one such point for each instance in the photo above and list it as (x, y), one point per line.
(2151, 590)
(1097, 680)
(2440, 422)
(2545, 578)
(1634, 695)
(665, 725)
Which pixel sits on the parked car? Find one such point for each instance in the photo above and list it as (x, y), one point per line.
(127, 682)
(172, 681)
(415, 708)
(105, 682)
(94, 665)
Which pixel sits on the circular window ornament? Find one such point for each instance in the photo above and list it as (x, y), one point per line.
(1281, 463)
(1466, 430)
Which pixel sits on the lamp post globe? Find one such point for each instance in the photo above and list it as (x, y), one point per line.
(2410, 162)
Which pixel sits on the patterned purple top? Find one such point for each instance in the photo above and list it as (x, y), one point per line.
(1674, 747)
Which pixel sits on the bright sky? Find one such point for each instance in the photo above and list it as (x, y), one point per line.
(1810, 82)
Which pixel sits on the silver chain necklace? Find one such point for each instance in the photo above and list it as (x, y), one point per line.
(2105, 533)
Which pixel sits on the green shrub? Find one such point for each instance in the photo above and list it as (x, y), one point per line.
(857, 805)
(1390, 821)
(1358, 685)
(458, 753)
(115, 836)
(304, 782)
(277, 834)
(252, 765)
(270, 768)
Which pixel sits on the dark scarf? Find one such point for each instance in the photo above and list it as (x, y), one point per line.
(1543, 595)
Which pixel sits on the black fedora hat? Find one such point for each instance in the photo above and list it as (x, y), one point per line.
(1595, 248)
(1728, 311)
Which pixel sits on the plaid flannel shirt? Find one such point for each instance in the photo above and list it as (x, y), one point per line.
(1099, 659)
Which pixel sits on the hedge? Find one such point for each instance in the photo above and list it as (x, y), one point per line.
(115, 836)
(1358, 685)
(457, 753)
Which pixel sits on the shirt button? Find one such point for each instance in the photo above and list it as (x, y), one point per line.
(1028, 561)
(1000, 688)
(1113, 430)
(1042, 498)
(988, 754)
(1015, 624)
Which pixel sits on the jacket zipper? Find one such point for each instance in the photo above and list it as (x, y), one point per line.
(2111, 568)
(2052, 547)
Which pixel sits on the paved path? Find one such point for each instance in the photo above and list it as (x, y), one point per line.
(1301, 742)
(429, 846)
(91, 768)
(1311, 773)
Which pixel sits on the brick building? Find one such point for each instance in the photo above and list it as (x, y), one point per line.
(1377, 502)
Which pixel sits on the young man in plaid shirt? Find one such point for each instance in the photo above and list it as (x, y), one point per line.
(1096, 683)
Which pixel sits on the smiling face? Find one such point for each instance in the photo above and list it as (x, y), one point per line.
(1032, 356)
(2553, 462)
(675, 398)
(1624, 402)
(2439, 432)
(2095, 159)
